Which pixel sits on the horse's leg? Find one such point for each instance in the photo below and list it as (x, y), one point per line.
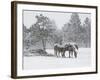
(69, 54)
(72, 53)
(63, 54)
(55, 52)
(58, 53)
(75, 54)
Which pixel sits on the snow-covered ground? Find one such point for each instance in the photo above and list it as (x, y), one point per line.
(51, 62)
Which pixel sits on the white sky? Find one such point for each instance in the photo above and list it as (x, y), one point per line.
(60, 18)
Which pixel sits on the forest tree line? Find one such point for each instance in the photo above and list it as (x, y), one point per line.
(45, 33)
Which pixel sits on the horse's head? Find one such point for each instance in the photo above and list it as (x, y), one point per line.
(76, 46)
(66, 46)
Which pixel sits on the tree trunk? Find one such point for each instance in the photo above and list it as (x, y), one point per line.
(44, 44)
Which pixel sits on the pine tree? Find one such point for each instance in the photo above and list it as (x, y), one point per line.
(43, 29)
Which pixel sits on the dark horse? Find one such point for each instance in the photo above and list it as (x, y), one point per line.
(59, 50)
(68, 47)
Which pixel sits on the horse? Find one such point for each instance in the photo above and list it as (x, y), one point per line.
(72, 48)
(58, 49)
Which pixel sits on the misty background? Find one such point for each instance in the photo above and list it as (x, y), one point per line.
(41, 29)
